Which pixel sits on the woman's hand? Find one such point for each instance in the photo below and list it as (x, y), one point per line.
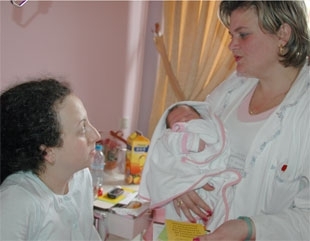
(191, 202)
(232, 230)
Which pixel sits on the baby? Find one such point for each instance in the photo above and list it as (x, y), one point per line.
(188, 149)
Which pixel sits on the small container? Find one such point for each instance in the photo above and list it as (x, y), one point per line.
(137, 148)
(111, 149)
(96, 169)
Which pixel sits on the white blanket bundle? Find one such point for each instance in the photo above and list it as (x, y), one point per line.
(167, 175)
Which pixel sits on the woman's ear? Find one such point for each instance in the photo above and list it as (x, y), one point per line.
(284, 34)
(49, 155)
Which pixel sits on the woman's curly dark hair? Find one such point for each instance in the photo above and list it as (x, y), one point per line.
(29, 120)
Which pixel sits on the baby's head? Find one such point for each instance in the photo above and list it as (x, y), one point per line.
(181, 113)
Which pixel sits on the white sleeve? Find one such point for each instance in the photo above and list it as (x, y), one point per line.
(18, 217)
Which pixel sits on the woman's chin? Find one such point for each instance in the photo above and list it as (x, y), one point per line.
(243, 73)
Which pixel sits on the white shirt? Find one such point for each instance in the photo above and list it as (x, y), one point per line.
(242, 130)
(31, 211)
(275, 190)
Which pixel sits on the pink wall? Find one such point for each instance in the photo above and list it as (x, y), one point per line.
(99, 47)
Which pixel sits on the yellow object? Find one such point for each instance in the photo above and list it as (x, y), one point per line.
(105, 197)
(137, 148)
(181, 231)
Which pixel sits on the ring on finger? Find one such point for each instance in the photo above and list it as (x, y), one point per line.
(179, 203)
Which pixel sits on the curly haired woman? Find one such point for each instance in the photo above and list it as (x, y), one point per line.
(47, 145)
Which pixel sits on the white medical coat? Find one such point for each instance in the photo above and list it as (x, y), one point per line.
(277, 201)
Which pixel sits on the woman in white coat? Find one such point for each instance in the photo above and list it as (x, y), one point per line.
(265, 107)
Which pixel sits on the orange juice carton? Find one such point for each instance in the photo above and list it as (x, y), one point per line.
(137, 148)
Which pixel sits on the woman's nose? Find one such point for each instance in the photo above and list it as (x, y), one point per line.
(94, 134)
(233, 44)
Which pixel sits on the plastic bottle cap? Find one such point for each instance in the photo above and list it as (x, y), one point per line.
(99, 147)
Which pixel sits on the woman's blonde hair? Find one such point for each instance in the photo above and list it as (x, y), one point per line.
(271, 15)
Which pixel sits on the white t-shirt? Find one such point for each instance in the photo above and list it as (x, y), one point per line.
(31, 211)
(243, 128)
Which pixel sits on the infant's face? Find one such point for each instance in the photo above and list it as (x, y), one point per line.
(181, 114)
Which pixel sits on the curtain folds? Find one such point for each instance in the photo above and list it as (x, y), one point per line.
(194, 57)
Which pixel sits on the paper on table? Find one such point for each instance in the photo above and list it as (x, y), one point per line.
(128, 192)
(103, 205)
(106, 203)
(129, 198)
(181, 231)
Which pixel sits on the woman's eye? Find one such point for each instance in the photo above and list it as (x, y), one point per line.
(239, 35)
(84, 126)
(243, 35)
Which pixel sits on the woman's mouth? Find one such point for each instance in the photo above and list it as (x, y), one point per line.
(237, 58)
